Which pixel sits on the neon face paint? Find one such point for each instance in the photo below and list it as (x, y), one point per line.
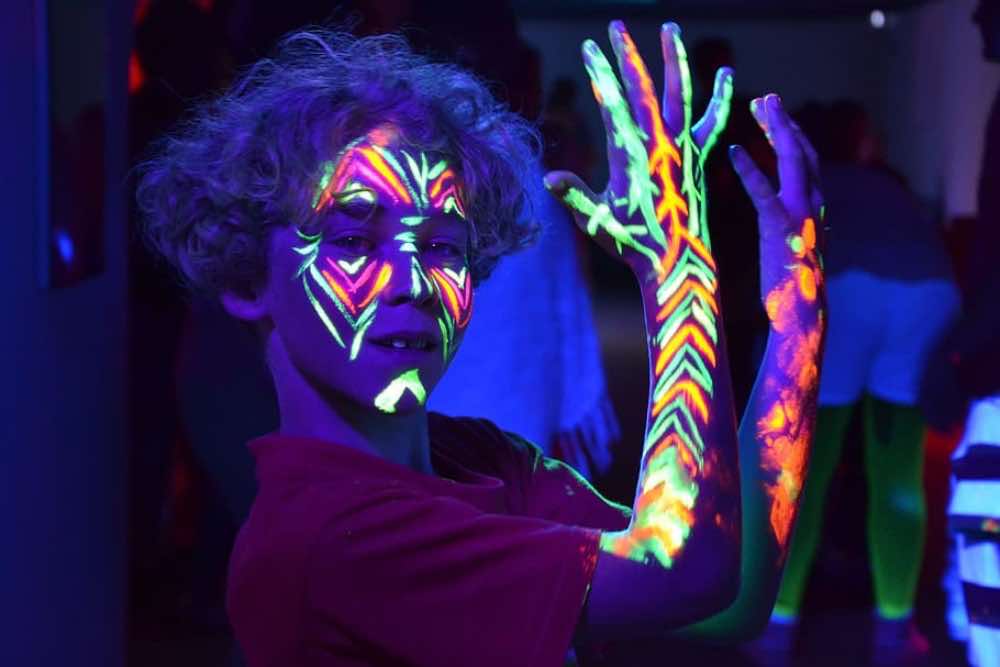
(783, 430)
(409, 381)
(653, 215)
(346, 286)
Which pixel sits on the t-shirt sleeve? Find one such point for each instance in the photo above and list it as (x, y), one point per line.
(554, 491)
(430, 580)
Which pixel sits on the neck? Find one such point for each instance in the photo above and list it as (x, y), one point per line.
(308, 411)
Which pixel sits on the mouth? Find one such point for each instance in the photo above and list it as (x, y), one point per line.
(405, 342)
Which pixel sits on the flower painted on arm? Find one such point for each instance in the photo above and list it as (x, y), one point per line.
(785, 431)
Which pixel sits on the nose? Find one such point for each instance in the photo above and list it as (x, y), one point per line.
(409, 282)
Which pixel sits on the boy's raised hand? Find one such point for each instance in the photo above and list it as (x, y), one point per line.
(655, 194)
(652, 215)
(791, 220)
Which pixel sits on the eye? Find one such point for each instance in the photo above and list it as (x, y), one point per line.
(357, 245)
(445, 250)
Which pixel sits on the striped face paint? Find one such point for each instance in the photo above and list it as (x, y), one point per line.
(654, 216)
(352, 287)
(786, 434)
(394, 203)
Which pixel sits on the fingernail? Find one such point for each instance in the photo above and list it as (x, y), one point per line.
(618, 25)
(733, 151)
(671, 27)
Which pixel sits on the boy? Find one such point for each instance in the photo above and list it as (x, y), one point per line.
(344, 198)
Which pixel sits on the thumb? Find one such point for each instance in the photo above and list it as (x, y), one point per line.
(574, 194)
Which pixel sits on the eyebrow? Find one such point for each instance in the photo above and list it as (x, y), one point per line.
(441, 219)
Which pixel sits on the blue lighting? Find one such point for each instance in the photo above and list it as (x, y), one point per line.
(64, 243)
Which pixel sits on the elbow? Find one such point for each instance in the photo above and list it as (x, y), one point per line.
(711, 582)
(721, 585)
(718, 563)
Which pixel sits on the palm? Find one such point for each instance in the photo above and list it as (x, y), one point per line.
(655, 193)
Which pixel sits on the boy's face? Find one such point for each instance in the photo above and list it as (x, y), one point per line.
(371, 299)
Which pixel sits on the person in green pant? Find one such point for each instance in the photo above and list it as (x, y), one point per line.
(891, 295)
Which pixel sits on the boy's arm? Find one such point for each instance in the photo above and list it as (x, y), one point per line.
(678, 560)
(777, 428)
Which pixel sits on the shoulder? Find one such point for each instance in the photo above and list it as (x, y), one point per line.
(462, 437)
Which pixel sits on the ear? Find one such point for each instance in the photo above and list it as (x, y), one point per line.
(248, 306)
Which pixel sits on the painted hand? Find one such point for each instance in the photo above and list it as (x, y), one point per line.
(791, 226)
(652, 215)
(790, 221)
(654, 205)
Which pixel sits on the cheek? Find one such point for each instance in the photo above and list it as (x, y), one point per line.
(340, 295)
(455, 296)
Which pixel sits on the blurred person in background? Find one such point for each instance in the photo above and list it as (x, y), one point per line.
(966, 371)
(892, 294)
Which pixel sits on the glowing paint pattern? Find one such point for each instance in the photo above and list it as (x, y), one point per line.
(368, 169)
(425, 186)
(783, 429)
(660, 188)
(455, 291)
(389, 398)
(354, 297)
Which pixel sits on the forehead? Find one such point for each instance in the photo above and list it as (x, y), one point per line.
(379, 166)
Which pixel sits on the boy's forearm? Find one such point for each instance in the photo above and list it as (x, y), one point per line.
(689, 470)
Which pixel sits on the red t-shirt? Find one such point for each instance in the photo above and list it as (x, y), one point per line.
(350, 559)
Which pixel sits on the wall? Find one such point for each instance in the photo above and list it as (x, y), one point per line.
(941, 90)
(61, 396)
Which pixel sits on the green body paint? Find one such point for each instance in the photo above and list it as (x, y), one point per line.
(352, 267)
(389, 398)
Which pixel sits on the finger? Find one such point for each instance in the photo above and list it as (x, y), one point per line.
(618, 123)
(676, 80)
(756, 184)
(594, 217)
(759, 115)
(792, 170)
(708, 129)
(574, 194)
(638, 83)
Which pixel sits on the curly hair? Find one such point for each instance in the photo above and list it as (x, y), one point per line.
(248, 160)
